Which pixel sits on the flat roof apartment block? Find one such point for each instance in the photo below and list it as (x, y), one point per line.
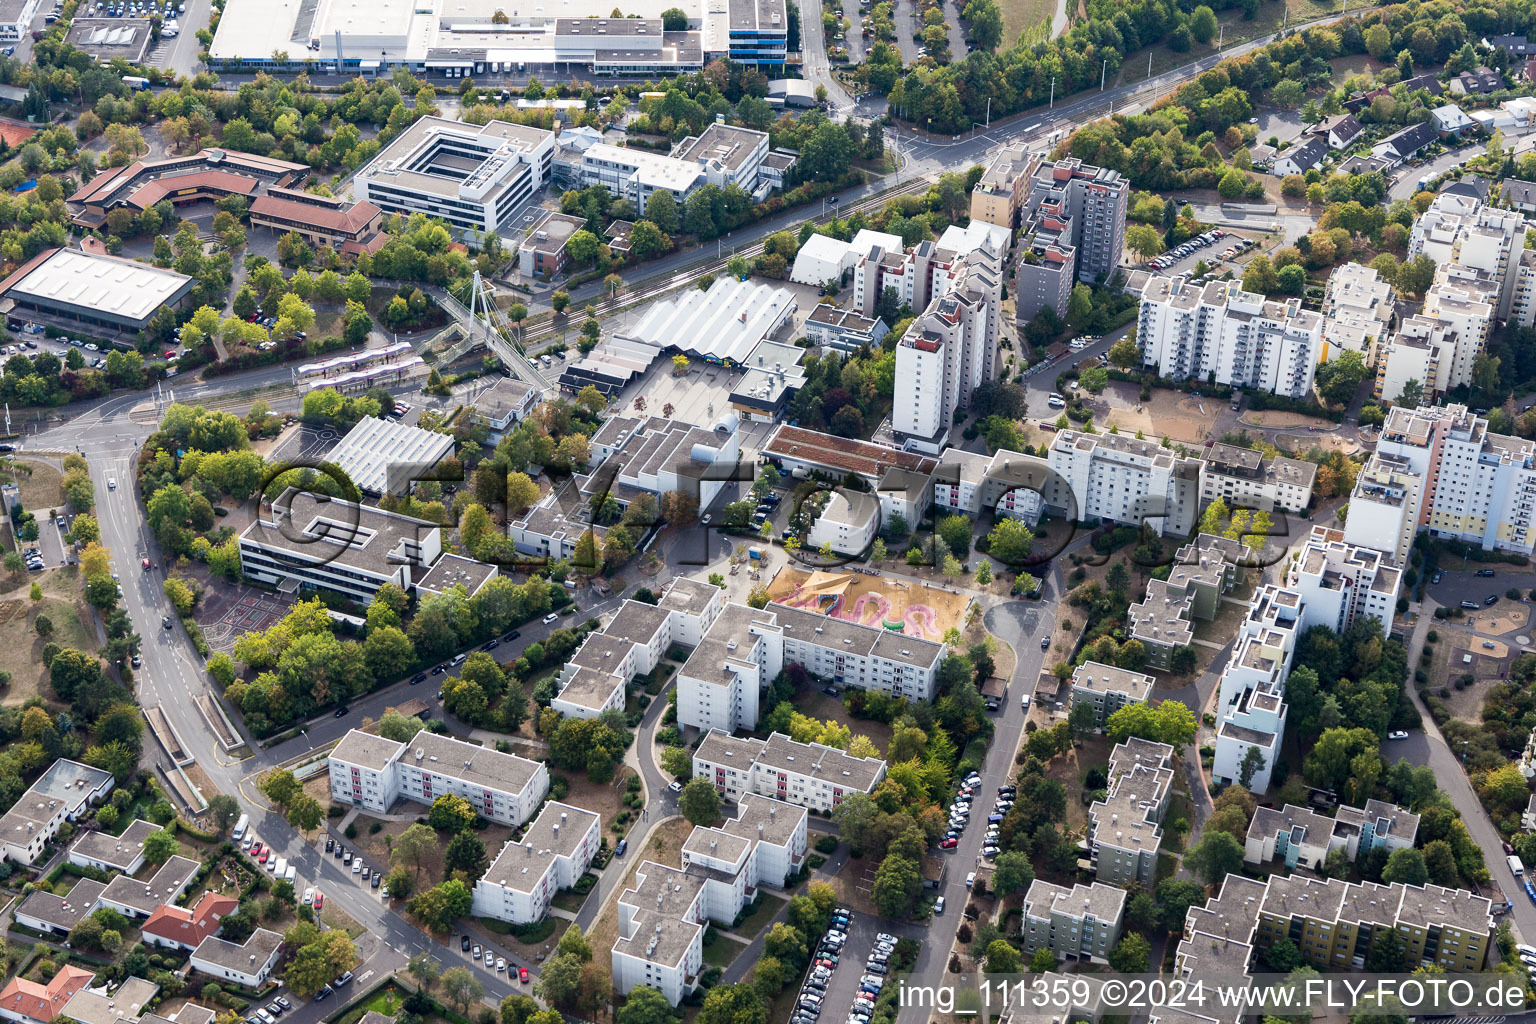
(555, 851)
(1082, 922)
(373, 772)
(472, 176)
(810, 775)
(1093, 201)
(107, 852)
(1125, 828)
(1107, 688)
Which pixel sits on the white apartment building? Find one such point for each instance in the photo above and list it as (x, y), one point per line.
(1108, 688)
(1242, 338)
(1005, 482)
(1460, 229)
(1080, 923)
(922, 275)
(1251, 708)
(1479, 486)
(373, 772)
(1357, 312)
(720, 685)
(847, 524)
(1245, 479)
(810, 775)
(1341, 583)
(633, 644)
(948, 351)
(1125, 828)
(1522, 309)
(556, 850)
(474, 177)
(1384, 506)
(663, 916)
(1123, 480)
(65, 792)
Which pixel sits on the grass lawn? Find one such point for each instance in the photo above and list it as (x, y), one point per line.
(1021, 15)
(374, 846)
(1237, 31)
(756, 921)
(21, 649)
(1179, 806)
(1069, 769)
(722, 951)
(41, 489)
(822, 707)
(570, 900)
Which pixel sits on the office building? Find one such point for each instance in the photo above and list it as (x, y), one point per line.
(307, 541)
(843, 329)
(542, 252)
(65, 792)
(373, 772)
(1301, 837)
(552, 855)
(1120, 479)
(809, 775)
(1125, 828)
(1080, 923)
(350, 228)
(721, 684)
(721, 155)
(504, 405)
(474, 177)
(1357, 311)
(206, 174)
(1234, 337)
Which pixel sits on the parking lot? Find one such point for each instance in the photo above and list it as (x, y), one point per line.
(848, 972)
(1213, 247)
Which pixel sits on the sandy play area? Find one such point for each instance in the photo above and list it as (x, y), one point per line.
(1501, 618)
(916, 609)
(1170, 414)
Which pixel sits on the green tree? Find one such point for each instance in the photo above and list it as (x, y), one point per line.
(1407, 866)
(1202, 24)
(1131, 954)
(1216, 856)
(699, 802)
(160, 845)
(461, 988)
(413, 847)
(646, 1005)
(1002, 958)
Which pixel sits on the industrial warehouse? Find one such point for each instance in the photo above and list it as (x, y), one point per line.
(482, 37)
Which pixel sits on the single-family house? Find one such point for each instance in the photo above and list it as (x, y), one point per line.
(1478, 82)
(1518, 195)
(1301, 158)
(1401, 146)
(1452, 120)
(1339, 131)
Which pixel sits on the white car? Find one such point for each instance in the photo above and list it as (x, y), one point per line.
(938, 905)
(357, 865)
(501, 964)
(1397, 734)
(675, 786)
(309, 896)
(551, 617)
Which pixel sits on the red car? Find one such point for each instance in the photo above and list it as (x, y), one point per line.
(949, 844)
(522, 975)
(262, 859)
(319, 899)
(170, 353)
(256, 849)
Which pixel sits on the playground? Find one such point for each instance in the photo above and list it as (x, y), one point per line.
(916, 609)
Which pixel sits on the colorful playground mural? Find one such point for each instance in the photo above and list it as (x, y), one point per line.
(914, 609)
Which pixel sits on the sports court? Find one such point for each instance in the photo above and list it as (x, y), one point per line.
(902, 606)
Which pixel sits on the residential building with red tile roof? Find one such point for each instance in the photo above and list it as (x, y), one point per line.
(29, 1002)
(185, 927)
